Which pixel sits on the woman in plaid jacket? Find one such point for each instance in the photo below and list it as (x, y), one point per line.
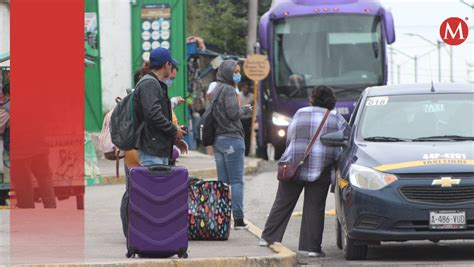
(314, 175)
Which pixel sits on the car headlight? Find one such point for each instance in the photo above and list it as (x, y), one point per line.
(280, 120)
(367, 178)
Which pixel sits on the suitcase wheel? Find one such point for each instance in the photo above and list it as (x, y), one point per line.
(130, 255)
(183, 254)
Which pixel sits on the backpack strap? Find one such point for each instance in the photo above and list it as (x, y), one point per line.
(117, 162)
(143, 79)
(218, 94)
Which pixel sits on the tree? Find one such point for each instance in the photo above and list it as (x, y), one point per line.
(222, 22)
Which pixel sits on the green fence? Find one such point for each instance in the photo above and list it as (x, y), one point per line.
(93, 87)
(161, 23)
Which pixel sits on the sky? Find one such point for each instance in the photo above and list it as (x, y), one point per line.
(424, 17)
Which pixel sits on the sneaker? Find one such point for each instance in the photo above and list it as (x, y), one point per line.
(319, 254)
(239, 224)
(263, 243)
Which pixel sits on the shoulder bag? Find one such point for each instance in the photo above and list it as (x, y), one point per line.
(289, 171)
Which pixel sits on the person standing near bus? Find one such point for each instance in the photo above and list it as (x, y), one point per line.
(229, 146)
(246, 98)
(314, 175)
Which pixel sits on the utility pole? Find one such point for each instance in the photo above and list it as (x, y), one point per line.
(252, 26)
(398, 73)
(438, 43)
(451, 75)
(415, 59)
(470, 69)
(391, 65)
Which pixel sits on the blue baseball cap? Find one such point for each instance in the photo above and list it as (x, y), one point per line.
(159, 56)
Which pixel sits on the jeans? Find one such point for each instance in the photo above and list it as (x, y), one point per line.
(229, 155)
(150, 160)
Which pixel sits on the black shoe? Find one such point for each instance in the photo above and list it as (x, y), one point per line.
(239, 224)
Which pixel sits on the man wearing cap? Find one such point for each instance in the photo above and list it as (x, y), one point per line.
(158, 133)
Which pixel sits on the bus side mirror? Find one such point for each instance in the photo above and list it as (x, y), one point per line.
(389, 27)
(263, 31)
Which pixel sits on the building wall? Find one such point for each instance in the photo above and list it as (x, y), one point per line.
(115, 48)
(4, 26)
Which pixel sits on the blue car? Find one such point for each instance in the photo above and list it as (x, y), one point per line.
(406, 172)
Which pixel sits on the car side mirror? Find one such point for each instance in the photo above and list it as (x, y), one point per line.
(334, 139)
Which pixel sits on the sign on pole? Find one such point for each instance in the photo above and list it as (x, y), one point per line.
(256, 68)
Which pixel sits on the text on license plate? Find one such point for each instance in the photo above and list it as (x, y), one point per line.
(447, 220)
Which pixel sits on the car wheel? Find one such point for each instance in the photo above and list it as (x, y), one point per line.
(338, 234)
(351, 250)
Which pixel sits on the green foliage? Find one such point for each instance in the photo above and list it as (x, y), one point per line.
(222, 22)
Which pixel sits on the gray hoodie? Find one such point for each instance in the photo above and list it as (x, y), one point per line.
(227, 112)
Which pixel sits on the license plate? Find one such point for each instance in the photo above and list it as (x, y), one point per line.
(447, 220)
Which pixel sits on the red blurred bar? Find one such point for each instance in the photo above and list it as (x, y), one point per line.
(47, 131)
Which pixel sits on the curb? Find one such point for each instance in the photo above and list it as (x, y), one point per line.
(252, 167)
(283, 257)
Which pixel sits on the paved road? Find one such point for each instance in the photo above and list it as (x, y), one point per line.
(260, 192)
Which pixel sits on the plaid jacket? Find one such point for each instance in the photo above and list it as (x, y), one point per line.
(304, 125)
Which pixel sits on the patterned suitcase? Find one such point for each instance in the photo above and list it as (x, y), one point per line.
(209, 210)
(157, 212)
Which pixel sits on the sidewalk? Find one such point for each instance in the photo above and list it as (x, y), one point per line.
(105, 244)
(240, 250)
(198, 164)
(104, 230)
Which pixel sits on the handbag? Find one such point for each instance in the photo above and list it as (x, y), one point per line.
(288, 171)
(209, 210)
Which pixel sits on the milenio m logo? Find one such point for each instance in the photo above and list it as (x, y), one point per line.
(454, 31)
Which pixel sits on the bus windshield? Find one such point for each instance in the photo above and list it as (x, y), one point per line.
(344, 51)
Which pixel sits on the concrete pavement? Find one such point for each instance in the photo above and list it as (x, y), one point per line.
(105, 245)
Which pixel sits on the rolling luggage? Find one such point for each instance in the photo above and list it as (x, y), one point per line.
(158, 212)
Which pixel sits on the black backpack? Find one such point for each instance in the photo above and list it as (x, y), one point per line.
(207, 128)
(124, 127)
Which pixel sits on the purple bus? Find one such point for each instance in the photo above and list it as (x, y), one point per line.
(338, 43)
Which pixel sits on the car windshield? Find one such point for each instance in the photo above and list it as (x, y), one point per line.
(423, 117)
(344, 51)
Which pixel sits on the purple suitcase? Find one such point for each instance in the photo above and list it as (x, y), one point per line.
(158, 212)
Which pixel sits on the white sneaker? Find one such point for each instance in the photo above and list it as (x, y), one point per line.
(263, 243)
(320, 254)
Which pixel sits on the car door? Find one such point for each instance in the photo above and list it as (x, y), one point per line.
(345, 159)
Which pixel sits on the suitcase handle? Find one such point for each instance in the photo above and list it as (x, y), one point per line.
(159, 170)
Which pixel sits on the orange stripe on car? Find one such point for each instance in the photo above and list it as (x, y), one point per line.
(420, 163)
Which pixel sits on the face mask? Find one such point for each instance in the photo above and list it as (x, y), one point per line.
(237, 77)
(169, 82)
